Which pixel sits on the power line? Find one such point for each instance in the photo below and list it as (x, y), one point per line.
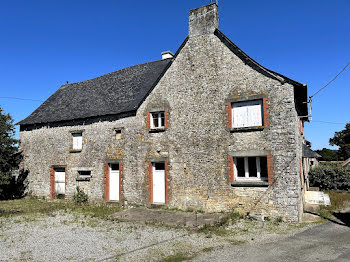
(19, 98)
(326, 122)
(331, 80)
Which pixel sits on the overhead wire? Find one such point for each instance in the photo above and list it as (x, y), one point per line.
(330, 81)
(19, 98)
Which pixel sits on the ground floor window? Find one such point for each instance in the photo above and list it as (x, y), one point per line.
(251, 168)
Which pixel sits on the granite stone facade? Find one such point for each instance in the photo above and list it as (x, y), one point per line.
(197, 143)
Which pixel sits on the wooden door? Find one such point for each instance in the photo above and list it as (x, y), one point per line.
(158, 183)
(114, 182)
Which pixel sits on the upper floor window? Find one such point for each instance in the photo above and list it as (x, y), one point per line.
(77, 141)
(157, 120)
(247, 114)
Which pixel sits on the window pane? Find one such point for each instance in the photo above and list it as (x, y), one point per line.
(240, 166)
(115, 167)
(155, 119)
(252, 166)
(162, 119)
(263, 167)
(159, 166)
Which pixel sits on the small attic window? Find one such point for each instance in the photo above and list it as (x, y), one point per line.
(158, 120)
(118, 134)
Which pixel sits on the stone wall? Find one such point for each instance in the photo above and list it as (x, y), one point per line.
(196, 143)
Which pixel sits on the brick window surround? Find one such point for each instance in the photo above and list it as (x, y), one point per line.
(265, 105)
(150, 181)
(270, 173)
(107, 182)
(148, 119)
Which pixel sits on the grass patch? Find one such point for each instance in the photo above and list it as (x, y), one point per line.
(339, 200)
(178, 257)
(33, 207)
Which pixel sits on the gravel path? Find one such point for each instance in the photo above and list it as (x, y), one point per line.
(67, 237)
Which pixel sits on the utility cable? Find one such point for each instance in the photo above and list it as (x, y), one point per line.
(19, 98)
(331, 80)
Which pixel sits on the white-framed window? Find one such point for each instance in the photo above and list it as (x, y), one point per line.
(158, 120)
(250, 168)
(77, 141)
(247, 114)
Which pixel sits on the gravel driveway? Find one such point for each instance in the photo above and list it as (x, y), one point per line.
(67, 236)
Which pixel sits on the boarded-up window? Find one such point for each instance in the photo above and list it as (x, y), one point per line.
(77, 141)
(246, 114)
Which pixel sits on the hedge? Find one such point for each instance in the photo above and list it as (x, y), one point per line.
(330, 178)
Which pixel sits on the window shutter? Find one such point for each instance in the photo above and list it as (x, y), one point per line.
(266, 112)
(270, 169)
(230, 172)
(148, 120)
(166, 116)
(106, 169)
(229, 115)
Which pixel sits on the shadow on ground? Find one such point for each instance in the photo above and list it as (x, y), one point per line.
(341, 218)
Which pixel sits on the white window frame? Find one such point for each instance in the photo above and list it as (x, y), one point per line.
(250, 113)
(77, 140)
(159, 117)
(246, 169)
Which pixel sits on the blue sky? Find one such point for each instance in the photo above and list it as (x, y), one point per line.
(45, 43)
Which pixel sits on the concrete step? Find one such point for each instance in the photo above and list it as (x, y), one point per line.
(313, 208)
(307, 218)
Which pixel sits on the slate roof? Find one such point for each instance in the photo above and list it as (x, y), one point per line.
(309, 153)
(117, 92)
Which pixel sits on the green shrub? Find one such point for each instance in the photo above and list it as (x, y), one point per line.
(330, 178)
(80, 196)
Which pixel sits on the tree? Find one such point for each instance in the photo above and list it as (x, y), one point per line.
(328, 154)
(9, 157)
(342, 140)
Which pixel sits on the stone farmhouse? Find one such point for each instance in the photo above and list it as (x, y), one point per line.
(206, 128)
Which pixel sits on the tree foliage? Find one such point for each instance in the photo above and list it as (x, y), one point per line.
(328, 154)
(330, 178)
(9, 156)
(342, 140)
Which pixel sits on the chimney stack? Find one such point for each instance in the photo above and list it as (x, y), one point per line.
(203, 20)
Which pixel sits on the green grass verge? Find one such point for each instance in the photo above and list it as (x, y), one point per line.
(339, 200)
(32, 207)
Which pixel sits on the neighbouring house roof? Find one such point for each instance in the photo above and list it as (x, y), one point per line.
(346, 162)
(124, 90)
(309, 153)
(117, 92)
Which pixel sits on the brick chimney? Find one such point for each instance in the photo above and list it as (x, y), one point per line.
(203, 20)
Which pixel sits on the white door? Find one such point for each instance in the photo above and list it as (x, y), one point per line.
(60, 182)
(114, 182)
(158, 183)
